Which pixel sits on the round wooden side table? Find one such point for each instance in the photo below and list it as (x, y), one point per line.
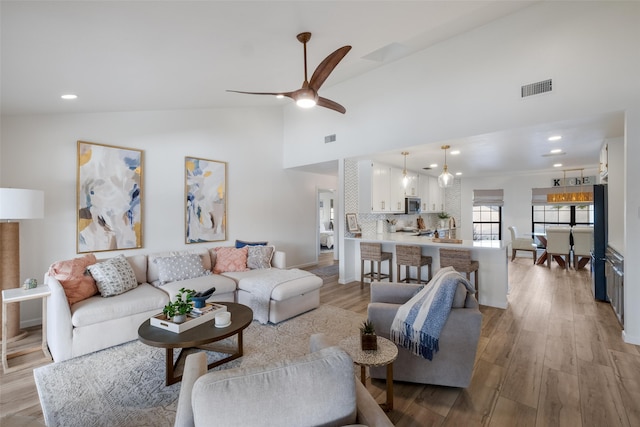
(385, 355)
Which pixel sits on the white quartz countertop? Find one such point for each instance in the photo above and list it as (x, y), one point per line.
(412, 238)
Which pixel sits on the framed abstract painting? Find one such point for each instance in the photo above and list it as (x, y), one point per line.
(109, 198)
(205, 200)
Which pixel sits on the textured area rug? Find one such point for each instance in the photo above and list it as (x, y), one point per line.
(124, 385)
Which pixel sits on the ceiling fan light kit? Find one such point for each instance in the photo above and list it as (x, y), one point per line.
(445, 180)
(307, 96)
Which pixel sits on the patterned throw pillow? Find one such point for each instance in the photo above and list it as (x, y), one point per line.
(113, 276)
(230, 259)
(180, 267)
(72, 274)
(259, 257)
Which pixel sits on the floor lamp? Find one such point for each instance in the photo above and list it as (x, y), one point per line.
(15, 204)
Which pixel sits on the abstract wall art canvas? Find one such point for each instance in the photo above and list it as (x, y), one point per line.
(109, 198)
(206, 200)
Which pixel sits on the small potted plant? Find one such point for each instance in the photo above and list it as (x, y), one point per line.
(443, 217)
(177, 311)
(368, 338)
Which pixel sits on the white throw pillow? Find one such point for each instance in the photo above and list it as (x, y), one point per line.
(113, 276)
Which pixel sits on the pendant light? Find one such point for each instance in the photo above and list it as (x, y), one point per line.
(405, 178)
(445, 179)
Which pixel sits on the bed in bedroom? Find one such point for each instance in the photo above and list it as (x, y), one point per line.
(326, 237)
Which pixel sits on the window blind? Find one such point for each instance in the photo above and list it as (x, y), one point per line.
(488, 197)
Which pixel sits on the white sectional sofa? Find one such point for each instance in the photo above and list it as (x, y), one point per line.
(97, 322)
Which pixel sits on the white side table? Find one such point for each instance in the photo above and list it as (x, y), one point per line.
(15, 296)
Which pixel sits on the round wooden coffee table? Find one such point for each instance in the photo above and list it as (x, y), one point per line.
(197, 337)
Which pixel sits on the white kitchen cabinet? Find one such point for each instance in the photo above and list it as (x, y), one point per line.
(396, 190)
(413, 185)
(423, 192)
(374, 191)
(381, 188)
(399, 191)
(436, 202)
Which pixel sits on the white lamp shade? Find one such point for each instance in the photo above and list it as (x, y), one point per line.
(20, 203)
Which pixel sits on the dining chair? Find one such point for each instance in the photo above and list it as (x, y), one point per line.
(521, 244)
(559, 245)
(582, 245)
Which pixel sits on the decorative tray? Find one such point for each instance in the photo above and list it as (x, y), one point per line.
(193, 319)
(439, 240)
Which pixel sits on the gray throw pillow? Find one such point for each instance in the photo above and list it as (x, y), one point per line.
(260, 257)
(113, 276)
(180, 267)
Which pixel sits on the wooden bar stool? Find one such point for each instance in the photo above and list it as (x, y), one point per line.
(372, 252)
(411, 256)
(460, 260)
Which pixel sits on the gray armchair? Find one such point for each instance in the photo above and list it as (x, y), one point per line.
(453, 364)
(317, 389)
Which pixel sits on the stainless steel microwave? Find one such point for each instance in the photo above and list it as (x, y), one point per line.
(412, 205)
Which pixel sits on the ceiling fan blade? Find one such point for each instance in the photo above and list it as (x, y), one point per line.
(332, 105)
(287, 94)
(326, 67)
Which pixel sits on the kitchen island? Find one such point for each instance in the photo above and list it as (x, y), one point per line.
(492, 256)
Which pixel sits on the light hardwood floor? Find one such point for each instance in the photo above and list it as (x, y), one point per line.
(555, 357)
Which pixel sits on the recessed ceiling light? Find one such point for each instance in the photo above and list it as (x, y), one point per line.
(280, 96)
(69, 96)
(458, 173)
(556, 151)
(557, 165)
(454, 152)
(554, 138)
(433, 165)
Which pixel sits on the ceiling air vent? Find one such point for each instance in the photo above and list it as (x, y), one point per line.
(536, 88)
(330, 138)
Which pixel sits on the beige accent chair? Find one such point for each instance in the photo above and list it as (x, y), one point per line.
(559, 244)
(582, 245)
(318, 389)
(521, 244)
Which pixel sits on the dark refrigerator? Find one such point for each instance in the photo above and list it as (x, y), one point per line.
(598, 252)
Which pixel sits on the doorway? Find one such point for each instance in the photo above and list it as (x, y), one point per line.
(327, 238)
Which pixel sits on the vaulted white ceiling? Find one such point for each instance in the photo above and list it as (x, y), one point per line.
(169, 55)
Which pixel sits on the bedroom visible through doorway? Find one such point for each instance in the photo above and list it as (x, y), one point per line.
(326, 221)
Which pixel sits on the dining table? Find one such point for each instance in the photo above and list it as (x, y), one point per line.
(542, 238)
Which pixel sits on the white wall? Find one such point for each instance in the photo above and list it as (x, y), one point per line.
(615, 193)
(265, 202)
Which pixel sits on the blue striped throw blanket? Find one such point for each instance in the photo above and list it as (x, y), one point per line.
(420, 320)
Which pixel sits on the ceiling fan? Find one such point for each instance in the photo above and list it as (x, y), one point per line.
(307, 95)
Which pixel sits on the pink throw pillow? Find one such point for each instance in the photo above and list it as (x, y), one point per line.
(230, 259)
(77, 285)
